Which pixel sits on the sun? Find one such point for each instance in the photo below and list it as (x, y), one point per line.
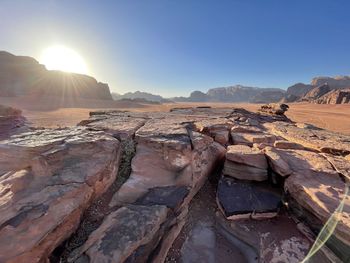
(64, 59)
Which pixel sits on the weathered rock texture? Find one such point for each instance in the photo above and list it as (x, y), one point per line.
(323, 90)
(48, 178)
(262, 166)
(11, 122)
(335, 97)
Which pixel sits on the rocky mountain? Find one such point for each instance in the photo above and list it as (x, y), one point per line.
(139, 95)
(320, 87)
(338, 96)
(23, 76)
(190, 185)
(237, 93)
(298, 90)
(337, 82)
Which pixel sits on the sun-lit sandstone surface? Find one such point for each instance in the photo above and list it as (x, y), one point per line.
(189, 184)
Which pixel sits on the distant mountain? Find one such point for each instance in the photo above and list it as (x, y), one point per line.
(237, 93)
(24, 76)
(139, 95)
(321, 90)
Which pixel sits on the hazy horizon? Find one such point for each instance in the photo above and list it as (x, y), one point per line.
(172, 48)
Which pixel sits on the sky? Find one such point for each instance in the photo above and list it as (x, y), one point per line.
(172, 47)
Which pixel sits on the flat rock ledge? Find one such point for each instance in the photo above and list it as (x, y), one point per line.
(48, 178)
(270, 177)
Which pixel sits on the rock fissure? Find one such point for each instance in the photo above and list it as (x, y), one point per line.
(193, 185)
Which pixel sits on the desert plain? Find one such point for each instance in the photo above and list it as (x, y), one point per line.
(334, 117)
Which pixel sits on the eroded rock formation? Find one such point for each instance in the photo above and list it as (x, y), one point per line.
(11, 122)
(24, 76)
(272, 186)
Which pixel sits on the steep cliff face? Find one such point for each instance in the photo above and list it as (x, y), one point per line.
(298, 90)
(316, 93)
(335, 97)
(336, 82)
(321, 90)
(20, 76)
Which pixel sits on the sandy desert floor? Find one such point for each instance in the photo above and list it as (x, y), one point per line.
(331, 117)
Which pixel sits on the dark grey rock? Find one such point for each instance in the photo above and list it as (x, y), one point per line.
(241, 197)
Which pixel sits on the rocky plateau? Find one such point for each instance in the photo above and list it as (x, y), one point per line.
(188, 185)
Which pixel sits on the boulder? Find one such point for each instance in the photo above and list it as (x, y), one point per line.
(278, 109)
(47, 179)
(11, 122)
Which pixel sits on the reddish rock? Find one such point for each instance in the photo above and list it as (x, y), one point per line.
(121, 127)
(312, 137)
(288, 145)
(48, 178)
(251, 138)
(320, 194)
(245, 155)
(286, 162)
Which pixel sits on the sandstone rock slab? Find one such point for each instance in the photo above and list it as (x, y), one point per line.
(322, 140)
(47, 179)
(320, 194)
(246, 155)
(251, 138)
(239, 199)
(121, 127)
(122, 233)
(244, 172)
(285, 162)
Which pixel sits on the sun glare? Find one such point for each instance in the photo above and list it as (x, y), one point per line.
(64, 59)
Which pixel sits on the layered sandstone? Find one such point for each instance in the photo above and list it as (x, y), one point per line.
(268, 177)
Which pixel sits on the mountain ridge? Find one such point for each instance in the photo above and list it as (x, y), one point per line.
(23, 76)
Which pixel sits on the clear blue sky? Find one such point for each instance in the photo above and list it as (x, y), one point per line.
(171, 47)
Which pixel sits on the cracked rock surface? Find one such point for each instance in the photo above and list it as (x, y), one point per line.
(273, 184)
(48, 178)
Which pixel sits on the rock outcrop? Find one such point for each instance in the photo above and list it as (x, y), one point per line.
(278, 109)
(296, 91)
(323, 90)
(251, 186)
(24, 76)
(48, 178)
(11, 122)
(335, 97)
